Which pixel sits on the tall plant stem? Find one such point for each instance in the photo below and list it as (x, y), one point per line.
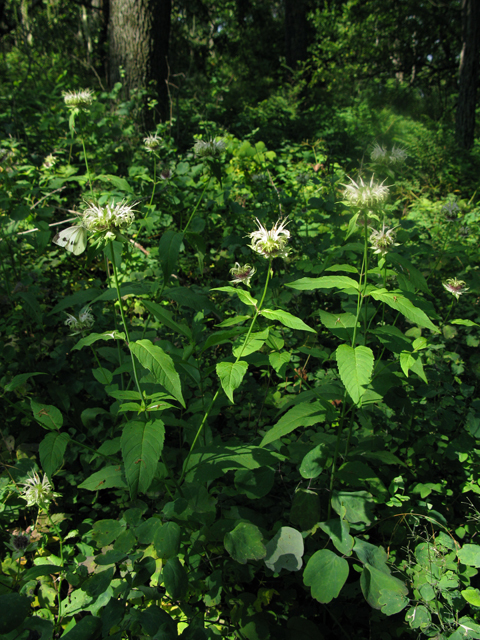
(361, 294)
(154, 185)
(197, 205)
(335, 455)
(115, 275)
(56, 529)
(86, 164)
(119, 351)
(207, 413)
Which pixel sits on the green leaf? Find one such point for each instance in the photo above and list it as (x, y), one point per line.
(465, 323)
(221, 337)
(107, 531)
(278, 361)
(338, 530)
(305, 414)
(314, 462)
(142, 445)
(357, 474)
(41, 570)
(160, 364)
(354, 506)
(51, 450)
(469, 554)
(415, 276)
(287, 319)
(231, 321)
(15, 609)
(19, 381)
(325, 574)
(126, 289)
(472, 596)
(305, 510)
(255, 342)
(231, 375)
(325, 282)
(175, 579)
(418, 617)
(398, 302)
(285, 550)
(107, 478)
(86, 629)
(98, 583)
(245, 543)
(355, 366)
(168, 251)
(244, 296)
(157, 621)
(47, 415)
(162, 314)
(254, 483)
(120, 183)
(341, 325)
(378, 587)
(95, 337)
(167, 540)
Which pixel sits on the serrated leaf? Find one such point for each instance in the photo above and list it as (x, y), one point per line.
(231, 375)
(163, 314)
(167, 540)
(20, 379)
(244, 296)
(254, 343)
(355, 366)
(341, 325)
(47, 415)
(51, 450)
(325, 282)
(278, 360)
(398, 302)
(142, 444)
(107, 478)
(95, 337)
(325, 574)
(287, 319)
(302, 415)
(168, 251)
(160, 364)
(175, 579)
(118, 182)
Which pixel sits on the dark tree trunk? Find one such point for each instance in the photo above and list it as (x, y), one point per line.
(468, 76)
(139, 32)
(296, 32)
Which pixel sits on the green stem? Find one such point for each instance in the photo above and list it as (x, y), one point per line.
(197, 205)
(207, 413)
(115, 275)
(98, 362)
(119, 351)
(56, 529)
(154, 185)
(86, 164)
(335, 455)
(449, 312)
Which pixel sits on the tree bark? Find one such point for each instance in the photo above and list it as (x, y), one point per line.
(468, 74)
(139, 32)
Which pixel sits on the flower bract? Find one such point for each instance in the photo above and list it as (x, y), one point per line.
(382, 241)
(455, 287)
(242, 274)
(209, 148)
(84, 321)
(272, 243)
(38, 492)
(152, 142)
(78, 99)
(365, 195)
(107, 218)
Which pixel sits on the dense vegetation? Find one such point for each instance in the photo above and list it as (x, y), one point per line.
(239, 351)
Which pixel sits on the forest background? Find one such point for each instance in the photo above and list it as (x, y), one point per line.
(239, 322)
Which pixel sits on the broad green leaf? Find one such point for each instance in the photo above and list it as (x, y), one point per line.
(415, 276)
(18, 381)
(142, 444)
(98, 583)
(341, 325)
(377, 587)
(163, 314)
(355, 366)
(231, 375)
(287, 319)
(347, 268)
(95, 337)
(175, 579)
(370, 554)
(118, 182)
(47, 415)
(314, 462)
(338, 530)
(472, 596)
(156, 621)
(357, 474)
(126, 289)
(41, 570)
(469, 554)
(167, 540)
(279, 360)
(15, 609)
(301, 415)
(85, 629)
(235, 320)
(285, 550)
(222, 337)
(254, 483)
(418, 616)
(107, 478)
(465, 323)
(354, 506)
(305, 510)
(160, 364)
(168, 251)
(245, 543)
(325, 282)
(392, 338)
(244, 296)
(398, 302)
(107, 531)
(146, 531)
(325, 574)
(51, 450)
(407, 361)
(255, 342)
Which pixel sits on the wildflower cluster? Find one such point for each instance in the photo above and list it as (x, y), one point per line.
(270, 244)
(382, 241)
(209, 148)
(450, 211)
(78, 99)
(365, 195)
(108, 217)
(455, 287)
(242, 274)
(38, 492)
(84, 321)
(151, 143)
(380, 154)
(49, 162)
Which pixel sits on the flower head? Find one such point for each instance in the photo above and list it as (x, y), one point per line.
(381, 155)
(242, 273)
(450, 211)
(455, 287)
(209, 148)
(38, 492)
(108, 217)
(78, 99)
(365, 195)
(49, 161)
(382, 241)
(19, 541)
(152, 142)
(270, 244)
(84, 321)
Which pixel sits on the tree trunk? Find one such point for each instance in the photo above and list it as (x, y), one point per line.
(296, 32)
(139, 31)
(468, 75)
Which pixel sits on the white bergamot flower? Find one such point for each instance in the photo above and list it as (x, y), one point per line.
(78, 99)
(365, 195)
(108, 217)
(38, 492)
(382, 241)
(381, 155)
(242, 274)
(209, 148)
(455, 287)
(270, 244)
(152, 142)
(84, 321)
